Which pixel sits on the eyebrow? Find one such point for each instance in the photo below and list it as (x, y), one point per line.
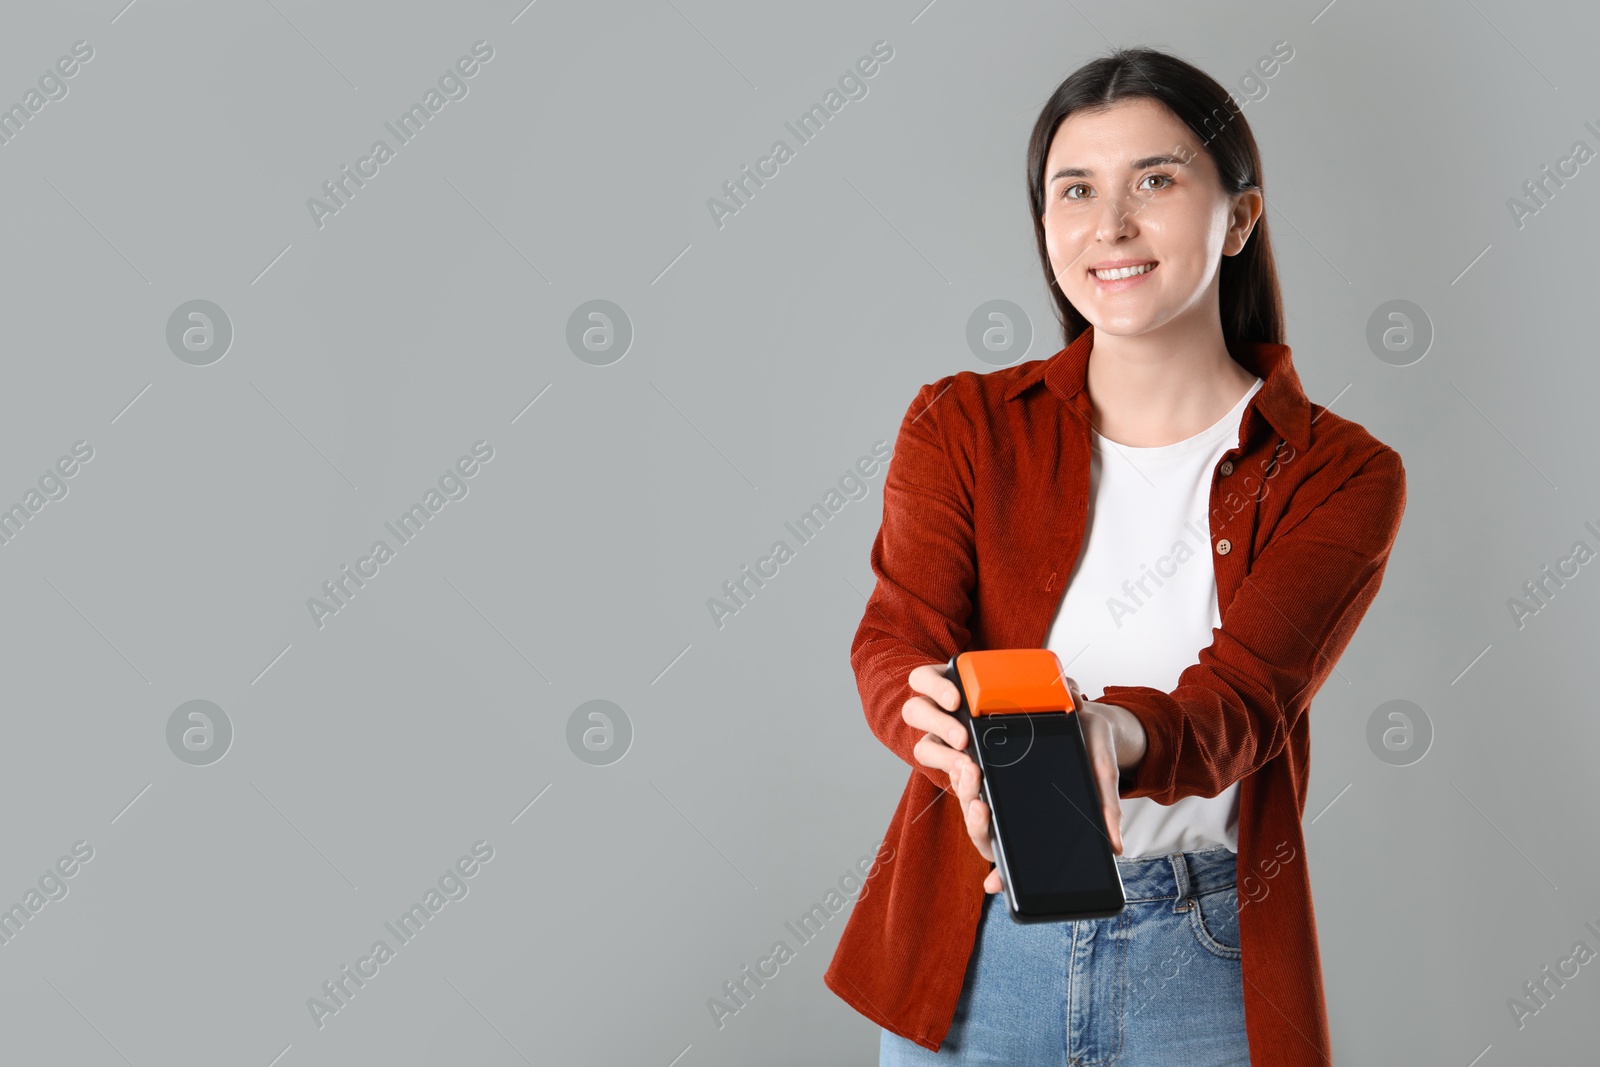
(1138, 164)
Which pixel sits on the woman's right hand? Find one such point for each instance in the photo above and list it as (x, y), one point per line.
(942, 748)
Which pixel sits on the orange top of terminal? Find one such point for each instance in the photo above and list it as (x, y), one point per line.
(1003, 680)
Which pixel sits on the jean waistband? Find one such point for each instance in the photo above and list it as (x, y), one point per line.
(1178, 874)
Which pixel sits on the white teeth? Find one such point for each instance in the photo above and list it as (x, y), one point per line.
(1122, 272)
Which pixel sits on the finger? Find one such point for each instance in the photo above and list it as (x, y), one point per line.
(1111, 805)
(1103, 764)
(929, 680)
(1114, 822)
(969, 784)
(924, 714)
(931, 752)
(993, 883)
(965, 778)
(977, 813)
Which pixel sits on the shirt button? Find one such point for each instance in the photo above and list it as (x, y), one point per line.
(1227, 467)
(1223, 547)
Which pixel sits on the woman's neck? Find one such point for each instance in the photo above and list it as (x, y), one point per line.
(1146, 392)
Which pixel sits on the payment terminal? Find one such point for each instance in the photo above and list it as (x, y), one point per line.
(1045, 824)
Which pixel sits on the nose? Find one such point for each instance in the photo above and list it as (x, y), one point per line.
(1116, 218)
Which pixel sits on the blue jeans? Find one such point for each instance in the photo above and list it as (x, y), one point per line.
(1158, 985)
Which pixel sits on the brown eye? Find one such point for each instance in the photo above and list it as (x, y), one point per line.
(1068, 189)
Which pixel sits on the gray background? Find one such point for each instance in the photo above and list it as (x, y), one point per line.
(768, 356)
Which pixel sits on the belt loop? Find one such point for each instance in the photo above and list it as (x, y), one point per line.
(1180, 875)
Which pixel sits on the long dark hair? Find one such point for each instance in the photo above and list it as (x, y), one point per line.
(1251, 304)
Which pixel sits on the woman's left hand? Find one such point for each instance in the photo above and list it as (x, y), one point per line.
(1116, 742)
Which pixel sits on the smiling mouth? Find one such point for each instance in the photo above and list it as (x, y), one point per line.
(1119, 273)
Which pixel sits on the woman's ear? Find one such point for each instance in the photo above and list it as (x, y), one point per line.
(1246, 210)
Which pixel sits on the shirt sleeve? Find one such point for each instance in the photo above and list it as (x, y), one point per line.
(1280, 637)
(924, 561)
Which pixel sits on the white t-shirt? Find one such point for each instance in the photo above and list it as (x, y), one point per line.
(1142, 601)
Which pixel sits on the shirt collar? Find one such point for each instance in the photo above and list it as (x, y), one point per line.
(1281, 400)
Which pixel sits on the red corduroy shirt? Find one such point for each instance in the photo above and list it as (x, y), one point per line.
(984, 508)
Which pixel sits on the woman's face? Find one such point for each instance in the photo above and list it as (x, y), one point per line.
(1132, 185)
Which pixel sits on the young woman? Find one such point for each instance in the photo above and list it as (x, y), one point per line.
(1161, 505)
